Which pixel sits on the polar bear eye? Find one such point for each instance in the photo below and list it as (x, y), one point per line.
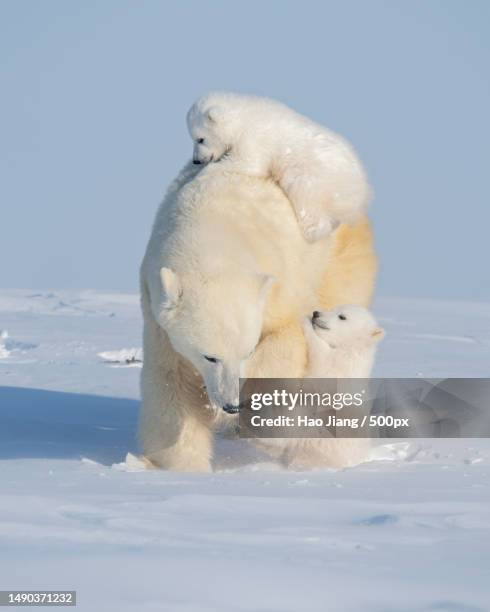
(342, 317)
(211, 359)
(200, 140)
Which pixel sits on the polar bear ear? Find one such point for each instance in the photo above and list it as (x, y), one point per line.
(172, 289)
(378, 334)
(214, 113)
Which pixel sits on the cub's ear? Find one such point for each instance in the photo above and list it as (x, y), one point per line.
(172, 289)
(378, 334)
(214, 113)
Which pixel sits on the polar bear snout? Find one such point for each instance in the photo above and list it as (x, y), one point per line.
(234, 408)
(205, 152)
(199, 160)
(231, 408)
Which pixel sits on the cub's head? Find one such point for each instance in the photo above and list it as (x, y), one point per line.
(215, 323)
(210, 122)
(346, 326)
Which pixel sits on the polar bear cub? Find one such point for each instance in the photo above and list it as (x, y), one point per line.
(341, 342)
(317, 169)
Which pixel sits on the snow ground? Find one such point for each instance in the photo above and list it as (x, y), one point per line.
(406, 532)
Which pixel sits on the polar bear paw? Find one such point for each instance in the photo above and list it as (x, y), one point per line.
(315, 229)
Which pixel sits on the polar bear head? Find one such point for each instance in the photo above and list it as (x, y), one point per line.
(215, 323)
(220, 122)
(208, 121)
(346, 326)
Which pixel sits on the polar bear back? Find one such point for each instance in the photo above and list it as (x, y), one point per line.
(219, 222)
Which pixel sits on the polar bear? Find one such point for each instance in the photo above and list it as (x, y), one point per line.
(225, 282)
(318, 170)
(341, 342)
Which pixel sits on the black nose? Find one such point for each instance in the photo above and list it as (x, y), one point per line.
(196, 162)
(316, 314)
(231, 408)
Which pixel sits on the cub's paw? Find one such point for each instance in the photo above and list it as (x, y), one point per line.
(316, 228)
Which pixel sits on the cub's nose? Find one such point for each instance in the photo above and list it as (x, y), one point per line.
(231, 408)
(316, 314)
(196, 162)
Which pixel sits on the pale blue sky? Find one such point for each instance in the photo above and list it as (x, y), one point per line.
(93, 97)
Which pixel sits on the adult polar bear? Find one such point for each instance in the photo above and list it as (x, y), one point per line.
(226, 281)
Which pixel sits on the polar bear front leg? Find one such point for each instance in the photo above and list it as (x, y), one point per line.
(280, 354)
(175, 427)
(323, 198)
(312, 205)
(174, 440)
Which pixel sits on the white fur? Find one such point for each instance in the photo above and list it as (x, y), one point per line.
(226, 282)
(317, 169)
(341, 342)
(227, 274)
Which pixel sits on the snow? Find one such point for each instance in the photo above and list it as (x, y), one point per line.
(4, 352)
(407, 531)
(124, 357)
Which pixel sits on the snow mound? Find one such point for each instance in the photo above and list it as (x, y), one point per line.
(132, 464)
(4, 352)
(125, 357)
